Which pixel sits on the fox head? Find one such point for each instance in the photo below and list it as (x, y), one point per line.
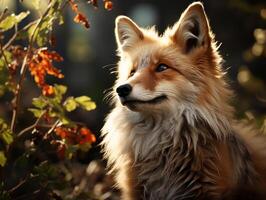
(164, 72)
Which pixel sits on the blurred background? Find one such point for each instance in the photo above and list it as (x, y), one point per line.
(90, 54)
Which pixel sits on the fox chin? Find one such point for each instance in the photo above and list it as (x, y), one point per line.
(172, 133)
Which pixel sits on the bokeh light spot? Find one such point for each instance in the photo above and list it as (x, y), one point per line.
(243, 75)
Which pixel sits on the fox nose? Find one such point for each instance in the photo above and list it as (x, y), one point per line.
(124, 90)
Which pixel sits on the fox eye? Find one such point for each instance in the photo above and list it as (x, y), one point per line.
(132, 72)
(161, 67)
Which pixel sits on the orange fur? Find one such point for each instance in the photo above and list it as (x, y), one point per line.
(173, 135)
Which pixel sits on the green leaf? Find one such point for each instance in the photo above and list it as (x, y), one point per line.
(70, 104)
(36, 4)
(86, 102)
(39, 102)
(8, 58)
(85, 146)
(2, 159)
(42, 34)
(13, 19)
(60, 89)
(71, 150)
(52, 114)
(2, 63)
(2, 90)
(64, 120)
(5, 132)
(45, 171)
(7, 136)
(36, 112)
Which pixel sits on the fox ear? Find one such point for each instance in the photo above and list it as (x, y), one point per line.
(127, 32)
(192, 30)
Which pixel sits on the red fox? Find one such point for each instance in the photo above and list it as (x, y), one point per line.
(172, 134)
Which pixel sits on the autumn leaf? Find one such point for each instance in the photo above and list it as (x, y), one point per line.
(87, 136)
(41, 65)
(94, 3)
(75, 135)
(108, 5)
(81, 19)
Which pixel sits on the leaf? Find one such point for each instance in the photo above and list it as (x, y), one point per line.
(39, 102)
(8, 57)
(7, 136)
(71, 150)
(36, 4)
(5, 132)
(86, 102)
(13, 19)
(36, 112)
(81, 19)
(70, 104)
(60, 89)
(2, 90)
(2, 159)
(45, 171)
(85, 146)
(64, 120)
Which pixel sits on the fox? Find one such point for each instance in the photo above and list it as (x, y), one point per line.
(172, 133)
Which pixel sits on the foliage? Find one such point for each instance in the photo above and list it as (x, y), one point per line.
(27, 48)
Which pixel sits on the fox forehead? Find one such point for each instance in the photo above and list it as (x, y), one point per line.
(145, 55)
(144, 60)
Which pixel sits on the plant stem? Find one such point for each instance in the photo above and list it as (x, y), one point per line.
(12, 38)
(2, 14)
(22, 132)
(23, 71)
(57, 122)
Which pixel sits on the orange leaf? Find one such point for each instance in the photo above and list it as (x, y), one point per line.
(108, 5)
(81, 19)
(47, 90)
(40, 65)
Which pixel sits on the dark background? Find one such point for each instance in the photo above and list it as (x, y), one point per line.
(90, 55)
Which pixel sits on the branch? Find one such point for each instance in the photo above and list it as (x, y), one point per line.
(2, 14)
(33, 126)
(12, 38)
(57, 122)
(23, 71)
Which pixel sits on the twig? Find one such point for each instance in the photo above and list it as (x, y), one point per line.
(57, 122)
(22, 132)
(30, 195)
(2, 14)
(23, 71)
(12, 38)
(18, 185)
(22, 182)
(17, 32)
(28, 25)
